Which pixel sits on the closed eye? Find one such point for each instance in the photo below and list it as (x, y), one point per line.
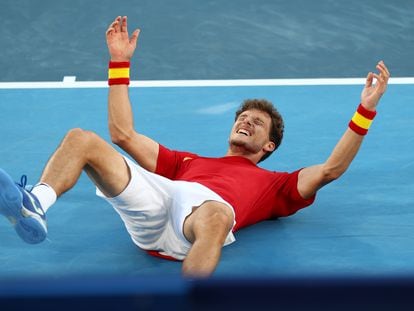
(258, 122)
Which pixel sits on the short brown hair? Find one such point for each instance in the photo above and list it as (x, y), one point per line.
(277, 126)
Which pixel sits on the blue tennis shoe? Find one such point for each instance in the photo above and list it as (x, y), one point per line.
(22, 209)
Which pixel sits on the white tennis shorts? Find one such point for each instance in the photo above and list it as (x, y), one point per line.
(153, 209)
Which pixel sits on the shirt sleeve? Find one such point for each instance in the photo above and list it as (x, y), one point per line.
(292, 201)
(169, 161)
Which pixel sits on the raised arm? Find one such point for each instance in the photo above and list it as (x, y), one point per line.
(120, 117)
(312, 178)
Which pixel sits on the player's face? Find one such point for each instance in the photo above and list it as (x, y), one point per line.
(251, 131)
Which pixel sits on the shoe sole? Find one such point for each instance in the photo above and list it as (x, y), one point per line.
(28, 228)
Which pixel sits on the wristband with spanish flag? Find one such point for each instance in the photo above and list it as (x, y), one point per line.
(118, 73)
(362, 119)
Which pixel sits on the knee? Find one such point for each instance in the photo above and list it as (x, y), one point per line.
(215, 223)
(79, 137)
(218, 219)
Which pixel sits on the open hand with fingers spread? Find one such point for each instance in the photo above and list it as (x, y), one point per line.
(121, 47)
(372, 92)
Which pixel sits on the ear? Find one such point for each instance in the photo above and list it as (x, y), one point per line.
(269, 146)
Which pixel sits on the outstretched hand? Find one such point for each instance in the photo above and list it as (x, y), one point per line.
(121, 47)
(372, 92)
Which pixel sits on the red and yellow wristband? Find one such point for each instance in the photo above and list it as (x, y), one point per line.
(362, 120)
(118, 73)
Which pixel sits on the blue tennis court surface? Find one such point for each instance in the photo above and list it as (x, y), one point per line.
(360, 226)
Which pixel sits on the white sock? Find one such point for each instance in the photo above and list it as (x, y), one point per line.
(45, 194)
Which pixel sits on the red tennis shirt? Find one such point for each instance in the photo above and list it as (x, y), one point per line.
(256, 194)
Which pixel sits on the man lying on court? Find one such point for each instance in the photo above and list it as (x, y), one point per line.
(178, 204)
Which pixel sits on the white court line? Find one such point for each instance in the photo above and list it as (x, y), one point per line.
(70, 82)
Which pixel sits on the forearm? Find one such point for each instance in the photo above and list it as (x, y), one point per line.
(342, 155)
(120, 117)
(348, 146)
(312, 178)
(121, 49)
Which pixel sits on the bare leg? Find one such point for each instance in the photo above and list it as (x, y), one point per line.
(83, 150)
(207, 228)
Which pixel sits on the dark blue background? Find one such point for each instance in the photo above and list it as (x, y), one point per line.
(45, 40)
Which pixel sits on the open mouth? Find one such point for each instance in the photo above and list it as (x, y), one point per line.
(243, 132)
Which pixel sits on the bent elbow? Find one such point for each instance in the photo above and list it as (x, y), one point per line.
(330, 174)
(120, 137)
(119, 140)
